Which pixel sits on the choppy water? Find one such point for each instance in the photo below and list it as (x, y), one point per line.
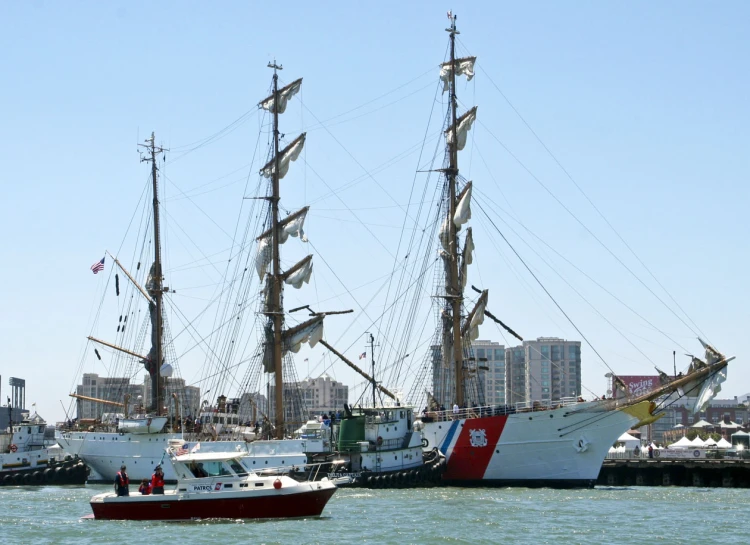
(448, 515)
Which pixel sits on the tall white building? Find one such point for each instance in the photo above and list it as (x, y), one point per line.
(188, 396)
(107, 388)
(490, 358)
(323, 394)
(548, 368)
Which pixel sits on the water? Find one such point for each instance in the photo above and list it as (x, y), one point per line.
(446, 515)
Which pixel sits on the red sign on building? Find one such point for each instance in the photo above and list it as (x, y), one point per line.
(638, 384)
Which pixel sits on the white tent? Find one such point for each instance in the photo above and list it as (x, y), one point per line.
(723, 443)
(731, 425)
(709, 443)
(678, 426)
(702, 424)
(630, 441)
(682, 443)
(697, 442)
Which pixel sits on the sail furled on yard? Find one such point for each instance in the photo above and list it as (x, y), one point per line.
(463, 124)
(286, 156)
(475, 318)
(463, 209)
(292, 225)
(285, 93)
(466, 257)
(299, 273)
(309, 332)
(464, 67)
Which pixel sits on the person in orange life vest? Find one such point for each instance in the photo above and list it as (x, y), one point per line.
(121, 482)
(157, 481)
(145, 487)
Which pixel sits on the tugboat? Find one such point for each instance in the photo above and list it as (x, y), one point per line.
(217, 486)
(27, 460)
(377, 448)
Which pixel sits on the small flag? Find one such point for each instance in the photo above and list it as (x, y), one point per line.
(196, 448)
(306, 359)
(181, 451)
(98, 266)
(450, 14)
(363, 355)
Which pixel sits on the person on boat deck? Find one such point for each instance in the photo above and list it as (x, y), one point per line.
(122, 482)
(157, 481)
(145, 488)
(198, 471)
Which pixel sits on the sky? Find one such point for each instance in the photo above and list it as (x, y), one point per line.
(637, 108)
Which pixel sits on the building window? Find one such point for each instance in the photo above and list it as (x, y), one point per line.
(480, 353)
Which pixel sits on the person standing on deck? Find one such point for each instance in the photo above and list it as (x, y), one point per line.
(121, 482)
(157, 481)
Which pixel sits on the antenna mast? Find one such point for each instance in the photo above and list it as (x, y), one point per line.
(155, 286)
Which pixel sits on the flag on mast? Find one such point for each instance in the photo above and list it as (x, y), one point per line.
(98, 266)
(363, 355)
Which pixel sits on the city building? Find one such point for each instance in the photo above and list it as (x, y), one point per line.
(106, 388)
(490, 357)
(17, 399)
(545, 369)
(310, 398)
(188, 396)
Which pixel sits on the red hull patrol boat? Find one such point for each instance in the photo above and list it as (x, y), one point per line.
(227, 491)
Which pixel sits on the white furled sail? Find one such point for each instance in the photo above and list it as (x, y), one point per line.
(310, 332)
(263, 256)
(285, 93)
(300, 273)
(710, 389)
(444, 235)
(475, 318)
(463, 124)
(466, 257)
(463, 210)
(464, 67)
(286, 156)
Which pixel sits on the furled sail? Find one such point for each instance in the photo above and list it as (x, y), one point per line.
(463, 210)
(444, 235)
(300, 273)
(292, 225)
(287, 155)
(710, 389)
(464, 66)
(310, 332)
(285, 93)
(475, 318)
(466, 257)
(463, 124)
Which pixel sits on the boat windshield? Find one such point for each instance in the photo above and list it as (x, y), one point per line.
(237, 467)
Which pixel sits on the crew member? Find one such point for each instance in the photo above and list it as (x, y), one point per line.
(121, 482)
(145, 488)
(157, 481)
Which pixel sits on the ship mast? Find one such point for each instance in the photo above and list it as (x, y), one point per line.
(276, 308)
(155, 287)
(454, 291)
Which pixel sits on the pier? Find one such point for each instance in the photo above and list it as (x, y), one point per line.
(722, 473)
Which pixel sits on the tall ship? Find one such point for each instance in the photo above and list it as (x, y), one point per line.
(549, 442)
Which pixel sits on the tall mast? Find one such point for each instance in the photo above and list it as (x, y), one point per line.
(155, 286)
(374, 384)
(454, 290)
(276, 305)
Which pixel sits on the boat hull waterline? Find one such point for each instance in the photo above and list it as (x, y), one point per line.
(282, 503)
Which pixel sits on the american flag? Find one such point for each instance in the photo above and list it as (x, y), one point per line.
(98, 266)
(363, 355)
(182, 450)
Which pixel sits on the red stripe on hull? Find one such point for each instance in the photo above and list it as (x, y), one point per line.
(467, 460)
(307, 504)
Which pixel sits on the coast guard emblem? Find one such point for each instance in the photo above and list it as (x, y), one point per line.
(478, 438)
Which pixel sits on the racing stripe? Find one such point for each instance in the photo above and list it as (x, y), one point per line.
(469, 461)
(449, 438)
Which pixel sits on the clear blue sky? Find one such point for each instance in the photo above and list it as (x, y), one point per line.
(644, 105)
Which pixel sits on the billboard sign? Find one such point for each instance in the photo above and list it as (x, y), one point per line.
(638, 384)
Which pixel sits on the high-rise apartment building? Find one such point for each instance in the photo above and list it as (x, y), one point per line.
(106, 388)
(188, 396)
(490, 357)
(546, 369)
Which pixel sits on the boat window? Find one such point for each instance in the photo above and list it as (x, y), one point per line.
(215, 469)
(237, 467)
(216, 419)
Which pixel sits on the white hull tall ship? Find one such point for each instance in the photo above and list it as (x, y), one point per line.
(560, 443)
